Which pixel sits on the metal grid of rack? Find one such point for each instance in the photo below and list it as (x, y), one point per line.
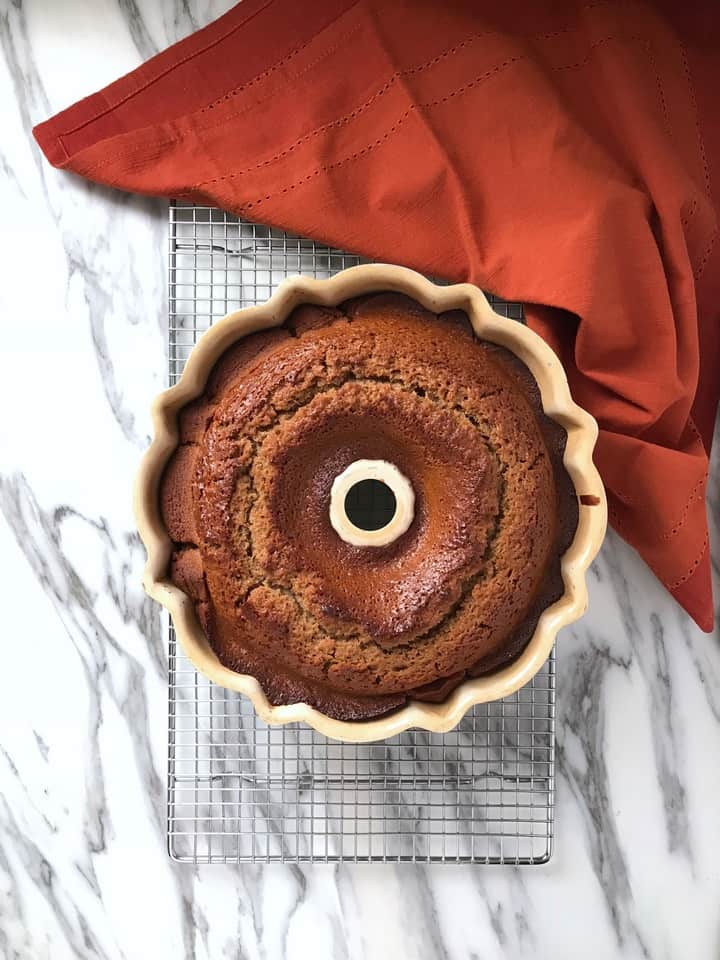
(239, 790)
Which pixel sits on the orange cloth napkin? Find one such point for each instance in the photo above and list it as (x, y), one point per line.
(564, 155)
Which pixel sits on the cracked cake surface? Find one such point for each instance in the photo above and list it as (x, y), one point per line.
(357, 631)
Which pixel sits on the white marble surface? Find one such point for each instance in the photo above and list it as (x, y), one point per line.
(83, 867)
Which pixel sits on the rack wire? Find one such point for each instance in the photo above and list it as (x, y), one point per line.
(241, 791)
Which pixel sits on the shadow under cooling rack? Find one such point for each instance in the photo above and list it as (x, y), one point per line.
(239, 790)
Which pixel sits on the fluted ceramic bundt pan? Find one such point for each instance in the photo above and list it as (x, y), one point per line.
(557, 403)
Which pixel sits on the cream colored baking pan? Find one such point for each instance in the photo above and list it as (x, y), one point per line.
(488, 325)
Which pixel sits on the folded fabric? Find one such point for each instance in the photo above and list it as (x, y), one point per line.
(564, 155)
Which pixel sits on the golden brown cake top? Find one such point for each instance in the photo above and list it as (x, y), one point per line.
(355, 630)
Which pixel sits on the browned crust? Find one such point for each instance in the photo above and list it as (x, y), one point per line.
(261, 621)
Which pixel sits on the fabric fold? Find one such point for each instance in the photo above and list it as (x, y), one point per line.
(564, 157)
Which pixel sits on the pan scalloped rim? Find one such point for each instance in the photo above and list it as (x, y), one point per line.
(546, 368)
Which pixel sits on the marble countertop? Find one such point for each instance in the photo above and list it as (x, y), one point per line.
(83, 865)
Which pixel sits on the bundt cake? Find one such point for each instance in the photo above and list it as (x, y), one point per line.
(375, 384)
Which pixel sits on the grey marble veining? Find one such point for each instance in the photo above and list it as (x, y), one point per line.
(83, 866)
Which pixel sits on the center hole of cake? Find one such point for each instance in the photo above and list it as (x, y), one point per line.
(370, 504)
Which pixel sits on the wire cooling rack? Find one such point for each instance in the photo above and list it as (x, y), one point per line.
(239, 790)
